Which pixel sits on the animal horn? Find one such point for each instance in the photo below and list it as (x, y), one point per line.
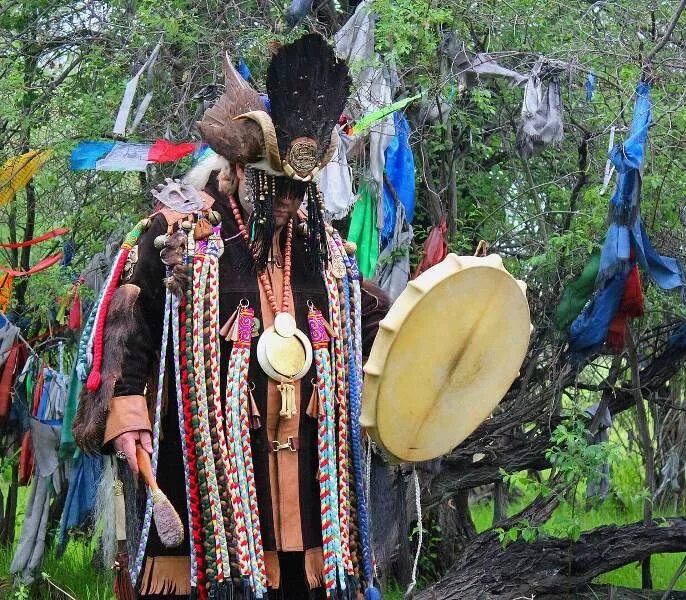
(271, 146)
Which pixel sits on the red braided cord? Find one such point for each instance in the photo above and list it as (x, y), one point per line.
(194, 489)
(95, 377)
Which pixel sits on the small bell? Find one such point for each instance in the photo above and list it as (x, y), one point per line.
(214, 217)
(160, 241)
(186, 225)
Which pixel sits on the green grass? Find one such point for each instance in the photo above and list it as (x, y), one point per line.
(73, 572)
(622, 506)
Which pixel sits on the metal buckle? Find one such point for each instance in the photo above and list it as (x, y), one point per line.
(276, 445)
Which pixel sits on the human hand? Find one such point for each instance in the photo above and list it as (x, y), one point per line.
(126, 443)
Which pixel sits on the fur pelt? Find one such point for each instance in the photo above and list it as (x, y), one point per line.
(91, 415)
(200, 174)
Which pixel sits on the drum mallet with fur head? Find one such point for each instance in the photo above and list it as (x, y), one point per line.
(167, 520)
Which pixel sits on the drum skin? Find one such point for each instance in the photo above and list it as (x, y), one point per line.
(444, 357)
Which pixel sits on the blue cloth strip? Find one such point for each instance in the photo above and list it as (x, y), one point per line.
(86, 153)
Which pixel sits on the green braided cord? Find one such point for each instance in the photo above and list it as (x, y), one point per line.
(232, 473)
(215, 412)
(131, 238)
(221, 552)
(208, 532)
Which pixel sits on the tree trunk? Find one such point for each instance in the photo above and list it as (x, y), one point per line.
(647, 446)
(551, 566)
(499, 502)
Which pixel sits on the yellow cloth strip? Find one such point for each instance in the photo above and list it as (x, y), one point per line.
(18, 171)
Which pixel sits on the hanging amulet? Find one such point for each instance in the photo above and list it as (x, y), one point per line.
(130, 264)
(203, 229)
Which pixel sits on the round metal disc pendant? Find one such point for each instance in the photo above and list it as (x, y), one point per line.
(284, 358)
(284, 324)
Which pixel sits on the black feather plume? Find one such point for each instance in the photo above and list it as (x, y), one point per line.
(308, 87)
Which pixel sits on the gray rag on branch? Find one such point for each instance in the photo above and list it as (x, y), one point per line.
(601, 486)
(541, 122)
(393, 266)
(47, 481)
(373, 89)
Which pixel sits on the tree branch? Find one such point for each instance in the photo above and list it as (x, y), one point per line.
(670, 30)
(551, 565)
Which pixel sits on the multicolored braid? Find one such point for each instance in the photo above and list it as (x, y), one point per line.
(95, 377)
(331, 537)
(355, 378)
(200, 269)
(137, 565)
(216, 411)
(244, 494)
(184, 449)
(209, 546)
(195, 517)
(336, 316)
(241, 530)
(340, 317)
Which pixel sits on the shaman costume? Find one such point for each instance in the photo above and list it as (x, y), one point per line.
(251, 360)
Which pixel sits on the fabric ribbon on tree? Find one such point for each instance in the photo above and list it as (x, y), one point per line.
(618, 295)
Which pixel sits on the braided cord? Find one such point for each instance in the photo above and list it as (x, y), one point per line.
(234, 466)
(175, 308)
(200, 269)
(257, 548)
(238, 399)
(340, 319)
(326, 445)
(336, 316)
(135, 568)
(355, 374)
(216, 411)
(188, 423)
(209, 546)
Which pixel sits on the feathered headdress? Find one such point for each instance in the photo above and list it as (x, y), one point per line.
(307, 87)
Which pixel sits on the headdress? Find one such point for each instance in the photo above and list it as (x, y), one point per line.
(307, 86)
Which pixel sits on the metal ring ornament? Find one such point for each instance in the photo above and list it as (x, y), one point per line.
(267, 366)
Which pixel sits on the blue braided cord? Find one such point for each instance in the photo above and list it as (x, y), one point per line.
(355, 403)
(179, 403)
(255, 582)
(135, 568)
(81, 357)
(331, 442)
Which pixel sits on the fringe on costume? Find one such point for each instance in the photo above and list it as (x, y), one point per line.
(166, 575)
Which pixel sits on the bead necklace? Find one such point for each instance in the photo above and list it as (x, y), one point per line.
(283, 351)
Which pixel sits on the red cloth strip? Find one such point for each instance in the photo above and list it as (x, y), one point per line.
(164, 151)
(41, 238)
(41, 265)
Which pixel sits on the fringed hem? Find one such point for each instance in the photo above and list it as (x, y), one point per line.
(314, 568)
(167, 575)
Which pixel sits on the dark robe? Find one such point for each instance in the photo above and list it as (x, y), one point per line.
(237, 281)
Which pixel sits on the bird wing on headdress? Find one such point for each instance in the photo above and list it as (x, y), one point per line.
(236, 140)
(308, 87)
